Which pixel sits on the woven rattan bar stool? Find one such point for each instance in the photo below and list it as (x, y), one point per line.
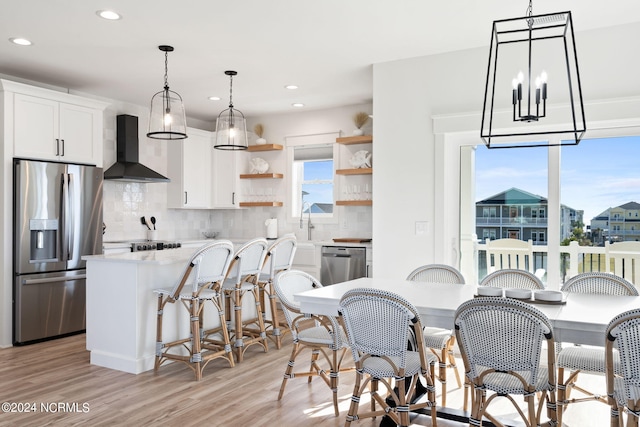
(199, 283)
(248, 328)
(279, 258)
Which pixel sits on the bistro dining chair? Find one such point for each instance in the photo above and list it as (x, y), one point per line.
(441, 341)
(510, 278)
(622, 358)
(586, 359)
(501, 343)
(248, 328)
(322, 335)
(279, 258)
(200, 282)
(377, 324)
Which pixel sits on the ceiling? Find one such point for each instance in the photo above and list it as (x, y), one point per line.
(325, 47)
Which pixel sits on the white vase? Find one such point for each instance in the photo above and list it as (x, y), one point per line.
(358, 132)
(261, 141)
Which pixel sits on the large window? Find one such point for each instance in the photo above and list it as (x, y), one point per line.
(312, 181)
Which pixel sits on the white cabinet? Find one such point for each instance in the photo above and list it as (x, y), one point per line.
(307, 259)
(189, 168)
(44, 127)
(226, 178)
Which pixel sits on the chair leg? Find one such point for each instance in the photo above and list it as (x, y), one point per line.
(196, 353)
(442, 373)
(289, 370)
(275, 325)
(355, 399)
(239, 335)
(334, 376)
(159, 334)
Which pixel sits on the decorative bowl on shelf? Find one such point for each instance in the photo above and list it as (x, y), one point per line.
(210, 234)
(259, 165)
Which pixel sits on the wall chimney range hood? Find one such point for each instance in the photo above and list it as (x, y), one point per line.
(127, 166)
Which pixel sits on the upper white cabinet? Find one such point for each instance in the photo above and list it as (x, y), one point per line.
(226, 178)
(50, 125)
(189, 168)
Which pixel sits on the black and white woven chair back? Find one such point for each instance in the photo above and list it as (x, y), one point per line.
(436, 273)
(249, 260)
(520, 279)
(288, 283)
(599, 283)
(280, 255)
(624, 332)
(501, 334)
(377, 323)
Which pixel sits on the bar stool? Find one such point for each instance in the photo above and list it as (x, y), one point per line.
(200, 282)
(279, 258)
(242, 278)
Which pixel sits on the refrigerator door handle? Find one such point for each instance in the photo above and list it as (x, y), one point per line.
(53, 279)
(72, 210)
(64, 216)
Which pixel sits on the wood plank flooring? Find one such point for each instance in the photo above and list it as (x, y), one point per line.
(59, 372)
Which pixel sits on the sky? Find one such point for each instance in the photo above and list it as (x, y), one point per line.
(318, 193)
(595, 175)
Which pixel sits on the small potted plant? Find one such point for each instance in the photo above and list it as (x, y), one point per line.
(259, 130)
(360, 119)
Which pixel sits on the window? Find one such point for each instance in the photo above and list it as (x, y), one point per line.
(312, 181)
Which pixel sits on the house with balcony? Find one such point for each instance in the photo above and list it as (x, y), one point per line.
(618, 224)
(518, 214)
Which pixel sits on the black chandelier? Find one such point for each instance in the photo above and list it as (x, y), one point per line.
(167, 119)
(545, 45)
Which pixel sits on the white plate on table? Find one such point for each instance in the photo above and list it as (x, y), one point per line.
(548, 295)
(489, 291)
(518, 293)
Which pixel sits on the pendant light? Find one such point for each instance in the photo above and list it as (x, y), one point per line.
(167, 119)
(231, 127)
(533, 83)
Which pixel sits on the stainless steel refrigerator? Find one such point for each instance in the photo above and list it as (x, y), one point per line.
(57, 220)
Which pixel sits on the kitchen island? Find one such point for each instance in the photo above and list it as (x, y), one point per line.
(121, 306)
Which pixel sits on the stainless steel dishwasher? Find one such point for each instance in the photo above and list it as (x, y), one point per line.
(342, 263)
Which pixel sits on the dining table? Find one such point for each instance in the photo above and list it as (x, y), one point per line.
(577, 318)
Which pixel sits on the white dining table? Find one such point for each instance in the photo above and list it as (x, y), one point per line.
(582, 319)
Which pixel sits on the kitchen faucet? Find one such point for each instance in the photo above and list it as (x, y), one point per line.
(309, 225)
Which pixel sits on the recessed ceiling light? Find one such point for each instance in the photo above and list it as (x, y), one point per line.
(291, 87)
(297, 104)
(21, 41)
(214, 98)
(109, 14)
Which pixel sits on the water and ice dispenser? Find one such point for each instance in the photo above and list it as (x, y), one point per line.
(44, 238)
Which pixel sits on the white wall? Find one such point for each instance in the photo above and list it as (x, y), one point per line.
(412, 169)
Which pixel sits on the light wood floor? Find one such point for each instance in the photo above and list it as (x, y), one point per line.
(59, 372)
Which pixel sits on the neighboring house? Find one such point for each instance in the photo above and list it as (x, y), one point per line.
(518, 214)
(618, 224)
(319, 208)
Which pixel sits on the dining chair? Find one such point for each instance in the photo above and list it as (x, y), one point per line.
(200, 282)
(441, 341)
(623, 259)
(248, 328)
(501, 343)
(279, 257)
(622, 354)
(510, 278)
(322, 335)
(585, 359)
(377, 324)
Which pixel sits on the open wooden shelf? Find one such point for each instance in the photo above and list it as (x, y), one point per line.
(264, 147)
(352, 202)
(256, 204)
(362, 139)
(358, 171)
(260, 175)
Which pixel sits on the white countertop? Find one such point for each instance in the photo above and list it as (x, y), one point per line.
(167, 256)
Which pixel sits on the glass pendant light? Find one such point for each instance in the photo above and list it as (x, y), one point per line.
(167, 119)
(231, 127)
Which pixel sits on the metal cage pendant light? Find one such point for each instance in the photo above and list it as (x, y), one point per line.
(520, 107)
(231, 127)
(167, 119)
